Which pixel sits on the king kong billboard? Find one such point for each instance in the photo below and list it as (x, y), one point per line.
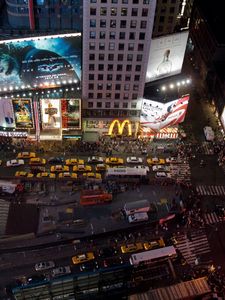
(40, 62)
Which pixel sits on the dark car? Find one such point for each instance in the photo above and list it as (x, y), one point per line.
(36, 278)
(56, 160)
(37, 169)
(89, 266)
(113, 262)
(107, 252)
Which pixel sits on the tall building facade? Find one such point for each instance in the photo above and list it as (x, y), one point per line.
(116, 43)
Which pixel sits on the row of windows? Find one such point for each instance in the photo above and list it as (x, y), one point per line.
(113, 67)
(113, 57)
(122, 1)
(110, 86)
(122, 35)
(113, 11)
(117, 77)
(115, 46)
(114, 23)
(113, 105)
(114, 113)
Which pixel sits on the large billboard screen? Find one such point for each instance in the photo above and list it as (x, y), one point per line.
(222, 118)
(23, 113)
(166, 56)
(51, 113)
(6, 114)
(157, 115)
(71, 113)
(40, 62)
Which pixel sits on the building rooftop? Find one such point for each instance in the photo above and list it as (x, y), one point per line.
(214, 13)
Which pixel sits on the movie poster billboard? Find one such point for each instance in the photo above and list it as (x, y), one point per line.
(71, 113)
(157, 115)
(166, 56)
(40, 61)
(23, 113)
(6, 114)
(50, 113)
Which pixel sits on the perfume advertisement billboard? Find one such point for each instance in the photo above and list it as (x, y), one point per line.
(6, 114)
(157, 115)
(166, 56)
(71, 113)
(51, 113)
(23, 113)
(40, 61)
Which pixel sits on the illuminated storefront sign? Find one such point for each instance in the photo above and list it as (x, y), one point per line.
(120, 125)
(23, 113)
(157, 115)
(71, 113)
(6, 114)
(14, 134)
(51, 113)
(40, 61)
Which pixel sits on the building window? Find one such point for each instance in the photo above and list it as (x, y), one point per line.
(122, 35)
(135, 87)
(125, 104)
(139, 57)
(112, 23)
(108, 104)
(109, 86)
(112, 35)
(101, 56)
(170, 19)
(133, 104)
(133, 24)
(92, 11)
(110, 67)
(140, 47)
(116, 105)
(103, 1)
(101, 46)
(99, 104)
(90, 104)
(91, 56)
(141, 36)
(135, 1)
(161, 19)
(92, 34)
(110, 56)
(103, 11)
(134, 12)
(126, 87)
(100, 86)
(91, 46)
(92, 23)
(128, 77)
(131, 46)
(144, 12)
(111, 46)
(129, 57)
(113, 11)
(102, 23)
(109, 77)
(90, 95)
(91, 67)
(118, 87)
(123, 24)
(172, 10)
(91, 77)
(118, 77)
(143, 24)
(136, 77)
(146, 1)
(93, 1)
(123, 11)
(91, 86)
(126, 96)
(131, 35)
(99, 96)
(117, 96)
(128, 68)
(114, 1)
(138, 68)
(100, 76)
(101, 67)
(124, 1)
(121, 46)
(102, 34)
(119, 67)
(108, 95)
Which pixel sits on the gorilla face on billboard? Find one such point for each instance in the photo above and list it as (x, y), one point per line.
(40, 61)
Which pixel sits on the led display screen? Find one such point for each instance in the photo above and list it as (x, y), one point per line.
(51, 113)
(71, 113)
(157, 115)
(166, 56)
(23, 113)
(40, 62)
(222, 118)
(6, 114)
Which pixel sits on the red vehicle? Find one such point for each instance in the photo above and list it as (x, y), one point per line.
(92, 197)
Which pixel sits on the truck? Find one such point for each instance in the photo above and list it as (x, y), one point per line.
(136, 207)
(138, 217)
(92, 197)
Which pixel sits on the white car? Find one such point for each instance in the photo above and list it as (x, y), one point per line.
(61, 271)
(134, 160)
(96, 159)
(44, 265)
(157, 168)
(14, 163)
(162, 175)
(172, 160)
(142, 167)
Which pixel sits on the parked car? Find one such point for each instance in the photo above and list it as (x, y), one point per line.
(134, 160)
(172, 160)
(44, 265)
(81, 258)
(131, 247)
(154, 244)
(56, 160)
(162, 175)
(14, 163)
(112, 262)
(61, 271)
(96, 159)
(163, 168)
(89, 266)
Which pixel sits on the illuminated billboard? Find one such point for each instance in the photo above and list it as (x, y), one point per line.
(222, 118)
(51, 113)
(166, 56)
(40, 62)
(23, 113)
(6, 114)
(71, 113)
(156, 115)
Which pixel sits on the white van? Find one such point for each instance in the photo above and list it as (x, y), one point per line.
(138, 217)
(209, 133)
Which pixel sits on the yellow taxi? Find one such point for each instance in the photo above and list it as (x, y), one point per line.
(114, 161)
(67, 175)
(74, 161)
(0, 162)
(81, 258)
(82, 168)
(101, 167)
(154, 244)
(59, 169)
(131, 247)
(37, 161)
(45, 175)
(26, 155)
(23, 174)
(92, 175)
(156, 161)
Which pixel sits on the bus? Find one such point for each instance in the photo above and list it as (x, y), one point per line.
(92, 197)
(127, 174)
(152, 255)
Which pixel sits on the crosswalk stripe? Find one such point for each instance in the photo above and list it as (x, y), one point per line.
(211, 190)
